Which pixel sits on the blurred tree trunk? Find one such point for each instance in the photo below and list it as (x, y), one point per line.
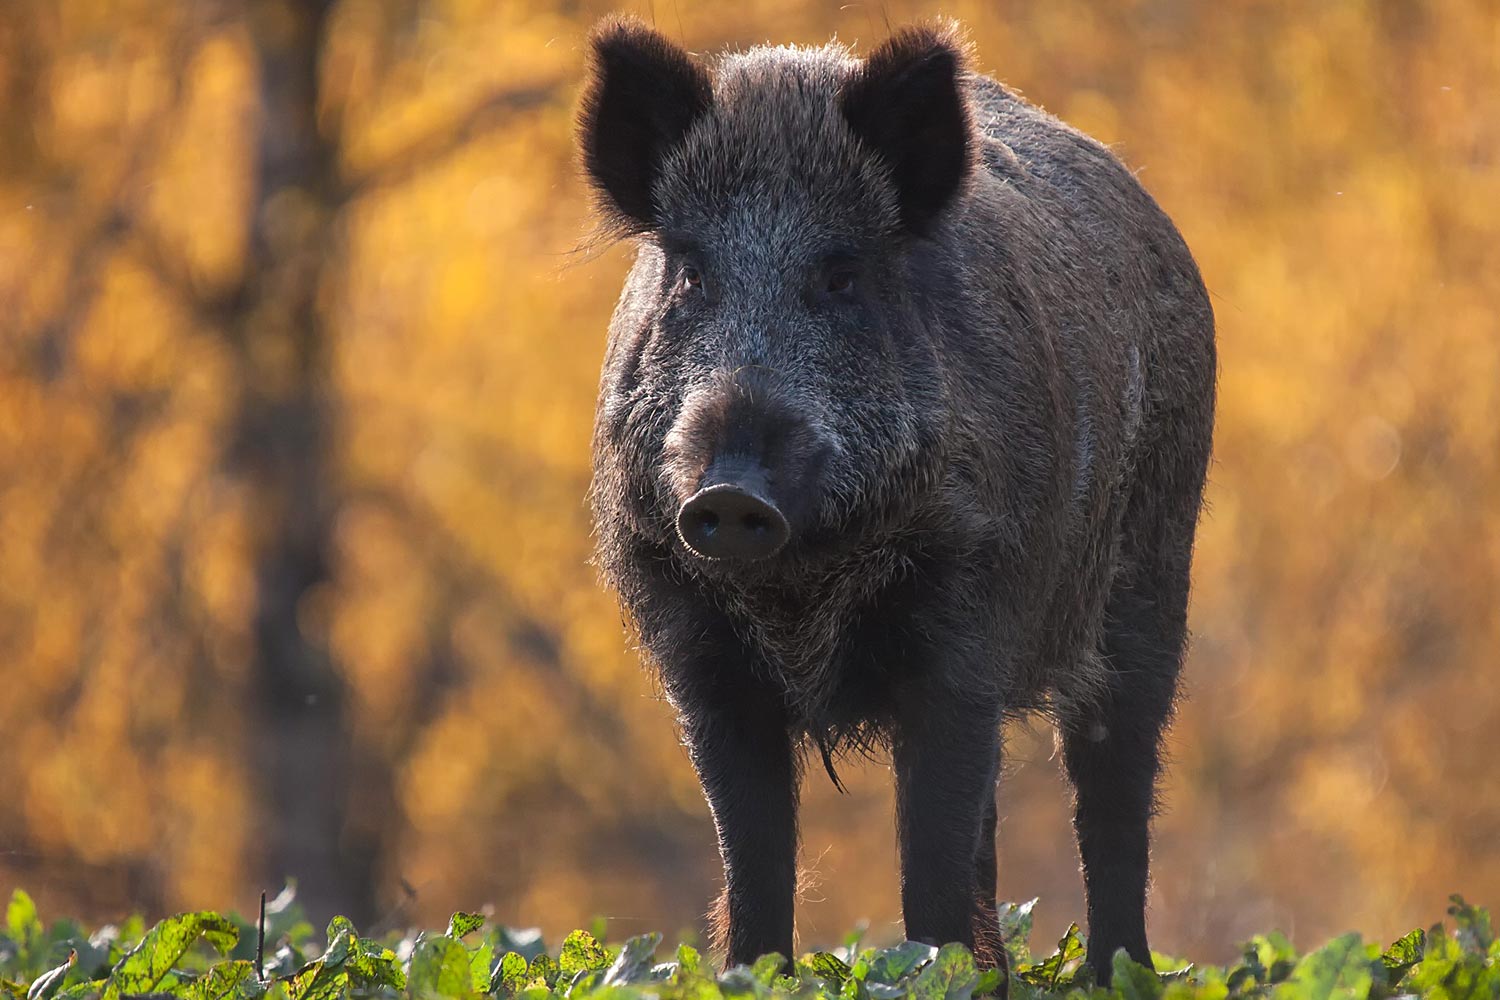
(303, 750)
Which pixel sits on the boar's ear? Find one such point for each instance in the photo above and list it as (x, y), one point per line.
(906, 103)
(643, 94)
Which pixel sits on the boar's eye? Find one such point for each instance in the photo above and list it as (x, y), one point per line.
(836, 275)
(691, 277)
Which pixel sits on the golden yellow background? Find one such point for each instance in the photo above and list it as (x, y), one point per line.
(298, 355)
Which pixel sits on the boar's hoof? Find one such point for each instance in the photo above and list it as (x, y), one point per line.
(725, 521)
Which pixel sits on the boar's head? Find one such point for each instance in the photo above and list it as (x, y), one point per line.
(774, 389)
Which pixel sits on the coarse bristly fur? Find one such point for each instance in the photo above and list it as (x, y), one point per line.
(974, 364)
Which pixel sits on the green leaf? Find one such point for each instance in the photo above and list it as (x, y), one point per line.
(318, 981)
(583, 982)
(371, 965)
(830, 967)
(1440, 956)
(330, 975)
(1015, 928)
(510, 975)
(1403, 954)
(1212, 988)
(951, 975)
(1169, 969)
(739, 981)
(21, 920)
(480, 961)
(1340, 965)
(96, 956)
(768, 967)
(854, 937)
(1056, 969)
(891, 965)
(581, 953)
(26, 933)
(543, 972)
(342, 939)
(1276, 956)
(52, 978)
(462, 924)
(227, 981)
(1132, 980)
(439, 968)
(132, 928)
(1246, 975)
(633, 963)
(990, 980)
(144, 965)
(81, 991)
(599, 927)
(1473, 930)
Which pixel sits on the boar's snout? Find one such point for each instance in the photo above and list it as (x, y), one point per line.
(731, 517)
(746, 464)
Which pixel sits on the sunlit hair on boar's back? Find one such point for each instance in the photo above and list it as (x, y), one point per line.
(903, 425)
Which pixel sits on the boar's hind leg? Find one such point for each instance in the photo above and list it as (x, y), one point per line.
(1112, 755)
(946, 755)
(741, 748)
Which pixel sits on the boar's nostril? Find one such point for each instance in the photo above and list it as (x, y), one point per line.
(725, 521)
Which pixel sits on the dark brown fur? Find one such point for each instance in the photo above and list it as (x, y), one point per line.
(972, 363)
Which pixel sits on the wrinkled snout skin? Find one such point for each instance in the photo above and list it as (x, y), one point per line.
(745, 464)
(903, 426)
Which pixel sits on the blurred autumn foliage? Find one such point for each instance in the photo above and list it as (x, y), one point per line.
(298, 355)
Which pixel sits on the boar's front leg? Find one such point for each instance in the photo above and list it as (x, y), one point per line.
(987, 943)
(946, 752)
(737, 735)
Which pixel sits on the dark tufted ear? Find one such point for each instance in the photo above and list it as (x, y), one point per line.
(643, 94)
(906, 102)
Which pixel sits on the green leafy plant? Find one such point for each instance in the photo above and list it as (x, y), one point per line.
(211, 956)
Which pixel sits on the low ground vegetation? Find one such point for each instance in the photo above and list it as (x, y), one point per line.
(214, 956)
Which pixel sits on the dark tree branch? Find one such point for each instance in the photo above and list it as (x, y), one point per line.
(52, 344)
(468, 576)
(484, 116)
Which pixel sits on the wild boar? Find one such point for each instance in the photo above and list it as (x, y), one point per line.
(903, 427)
